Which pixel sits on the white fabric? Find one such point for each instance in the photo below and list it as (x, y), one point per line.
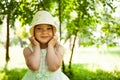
(42, 17)
(44, 73)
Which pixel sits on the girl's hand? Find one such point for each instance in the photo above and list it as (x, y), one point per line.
(53, 41)
(33, 41)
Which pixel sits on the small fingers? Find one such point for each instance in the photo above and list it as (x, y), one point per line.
(32, 40)
(55, 37)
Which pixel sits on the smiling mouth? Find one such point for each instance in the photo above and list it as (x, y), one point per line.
(44, 36)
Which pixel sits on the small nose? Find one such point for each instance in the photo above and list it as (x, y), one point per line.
(44, 30)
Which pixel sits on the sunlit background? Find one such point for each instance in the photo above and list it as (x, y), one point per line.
(93, 58)
(104, 58)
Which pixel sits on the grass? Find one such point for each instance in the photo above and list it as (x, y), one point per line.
(79, 72)
(13, 74)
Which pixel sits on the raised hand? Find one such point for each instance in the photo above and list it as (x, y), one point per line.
(53, 41)
(34, 42)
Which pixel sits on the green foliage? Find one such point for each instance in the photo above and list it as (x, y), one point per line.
(83, 22)
(80, 72)
(9, 8)
(86, 15)
(27, 10)
(14, 74)
(111, 31)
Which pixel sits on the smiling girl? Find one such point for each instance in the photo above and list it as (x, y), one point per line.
(45, 56)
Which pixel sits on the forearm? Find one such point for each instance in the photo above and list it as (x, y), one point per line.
(33, 61)
(53, 61)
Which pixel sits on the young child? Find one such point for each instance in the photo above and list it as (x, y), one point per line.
(44, 57)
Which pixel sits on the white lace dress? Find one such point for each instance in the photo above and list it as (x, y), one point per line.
(43, 73)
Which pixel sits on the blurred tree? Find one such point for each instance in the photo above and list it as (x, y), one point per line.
(77, 19)
(86, 15)
(12, 10)
(8, 10)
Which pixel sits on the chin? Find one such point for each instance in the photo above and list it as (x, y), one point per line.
(44, 42)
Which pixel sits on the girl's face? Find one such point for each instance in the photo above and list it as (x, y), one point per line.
(43, 33)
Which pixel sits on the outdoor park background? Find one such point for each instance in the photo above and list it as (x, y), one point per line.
(88, 64)
(88, 29)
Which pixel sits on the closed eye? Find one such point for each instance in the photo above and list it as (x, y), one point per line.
(49, 28)
(39, 29)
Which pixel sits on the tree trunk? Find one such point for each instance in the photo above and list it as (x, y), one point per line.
(21, 42)
(7, 42)
(60, 19)
(63, 65)
(70, 61)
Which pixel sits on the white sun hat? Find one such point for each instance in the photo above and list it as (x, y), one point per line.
(42, 17)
